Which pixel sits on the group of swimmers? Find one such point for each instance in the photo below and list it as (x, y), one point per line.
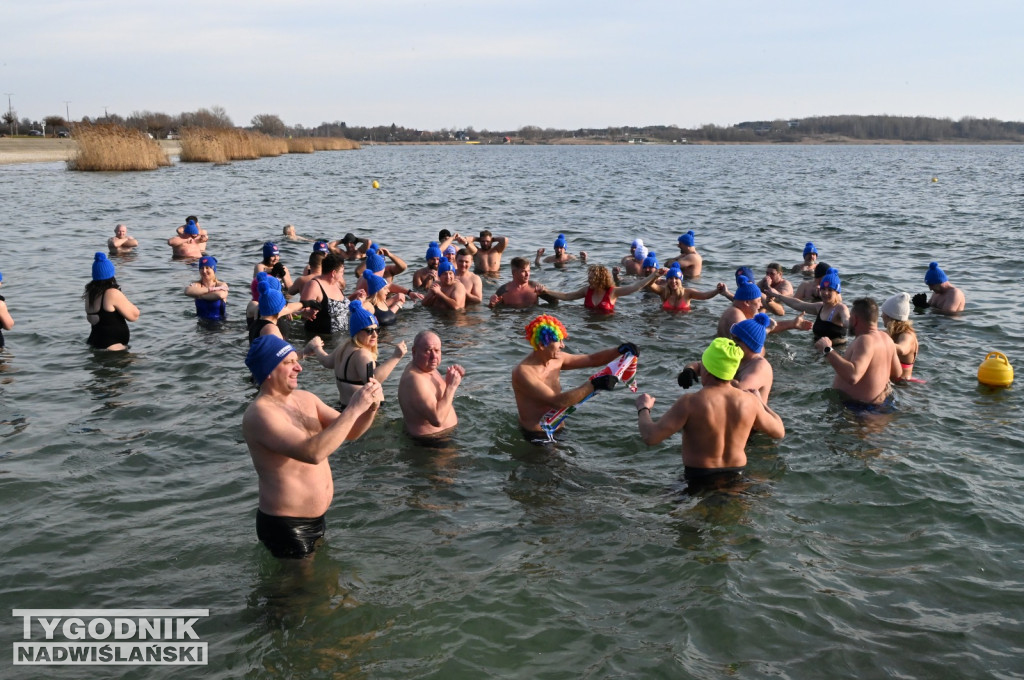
(290, 432)
(716, 420)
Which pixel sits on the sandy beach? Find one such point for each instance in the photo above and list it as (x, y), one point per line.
(20, 150)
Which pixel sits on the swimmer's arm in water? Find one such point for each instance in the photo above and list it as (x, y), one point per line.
(654, 432)
(571, 361)
(123, 305)
(496, 297)
(274, 429)
(694, 294)
(467, 242)
(850, 368)
(535, 390)
(315, 348)
(798, 323)
(798, 305)
(767, 420)
(6, 320)
(621, 291)
(895, 368)
(397, 265)
(384, 368)
(291, 308)
(423, 401)
(577, 294)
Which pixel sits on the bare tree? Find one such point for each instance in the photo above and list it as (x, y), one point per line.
(269, 124)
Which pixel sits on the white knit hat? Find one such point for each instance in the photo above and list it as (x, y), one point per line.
(897, 307)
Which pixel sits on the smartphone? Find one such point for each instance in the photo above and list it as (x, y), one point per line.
(369, 370)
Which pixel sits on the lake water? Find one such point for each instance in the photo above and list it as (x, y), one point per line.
(861, 549)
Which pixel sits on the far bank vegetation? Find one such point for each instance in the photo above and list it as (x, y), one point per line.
(114, 147)
(207, 136)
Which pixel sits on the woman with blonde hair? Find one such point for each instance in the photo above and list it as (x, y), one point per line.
(896, 317)
(833, 316)
(355, 360)
(379, 301)
(600, 293)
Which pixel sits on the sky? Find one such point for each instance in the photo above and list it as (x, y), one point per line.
(501, 64)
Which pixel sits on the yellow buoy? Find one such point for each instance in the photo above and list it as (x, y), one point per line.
(935, 179)
(376, 184)
(995, 370)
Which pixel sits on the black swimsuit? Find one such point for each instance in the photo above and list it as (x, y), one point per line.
(257, 326)
(346, 381)
(331, 317)
(824, 328)
(385, 317)
(111, 329)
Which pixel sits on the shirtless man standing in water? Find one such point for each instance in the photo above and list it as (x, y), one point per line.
(863, 375)
(190, 244)
(536, 381)
(716, 421)
(487, 259)
(520, 292)
(290, 433)
(121, 242)
(424, 395)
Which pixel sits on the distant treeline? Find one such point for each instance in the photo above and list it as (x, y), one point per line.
(819, 128)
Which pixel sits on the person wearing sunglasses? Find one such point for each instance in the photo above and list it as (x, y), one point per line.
(355, 361)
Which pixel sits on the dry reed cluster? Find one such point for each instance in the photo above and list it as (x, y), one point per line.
(220, 145)
(113, 147)
(333, 144)
(300, 145)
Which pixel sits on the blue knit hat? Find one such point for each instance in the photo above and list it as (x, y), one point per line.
(674, 272)
(1, 277)
(321, 247)
(265, 353)
(686, 239)
(752, 332)
(560, 241)
(744, 271)
(434, 250)
(191, 229)
(208, 261)
(375, 263)
(359, 318)
(831, 280)
(373, 282)
(445, 266)
(102, 268)
(746, 289)
(651, 260)
(271, 298)
(935, 275)
(637, 242)
(640, 252)
(270, 249)
(809, 248)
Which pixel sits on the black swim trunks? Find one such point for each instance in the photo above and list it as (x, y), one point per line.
(710, 479)
(289, 537)
(886, 406)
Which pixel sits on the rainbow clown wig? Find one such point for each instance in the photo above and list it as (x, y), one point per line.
(544, 330)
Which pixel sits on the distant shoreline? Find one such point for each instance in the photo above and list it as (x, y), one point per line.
(26, 150)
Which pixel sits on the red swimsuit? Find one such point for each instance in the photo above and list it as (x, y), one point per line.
(606, 306)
